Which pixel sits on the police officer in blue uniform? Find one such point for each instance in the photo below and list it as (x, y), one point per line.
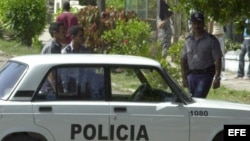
(200, 59)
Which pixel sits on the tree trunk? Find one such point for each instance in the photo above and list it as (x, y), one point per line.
(101, 5)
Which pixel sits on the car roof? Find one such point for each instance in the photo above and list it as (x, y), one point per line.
(112, 59)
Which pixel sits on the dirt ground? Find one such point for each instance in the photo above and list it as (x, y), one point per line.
(237, 84)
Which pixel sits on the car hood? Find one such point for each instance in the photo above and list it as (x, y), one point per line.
(218, 104)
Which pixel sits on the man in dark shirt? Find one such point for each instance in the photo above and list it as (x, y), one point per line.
(54, 46)
(77, 43)
(164, 24)
(57, 33)
(75, 47)
(68, 19)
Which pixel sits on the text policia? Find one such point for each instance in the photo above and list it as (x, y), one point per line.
(121, 132)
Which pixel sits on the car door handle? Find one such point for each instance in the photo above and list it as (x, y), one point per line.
(45, 109)
(120, 109)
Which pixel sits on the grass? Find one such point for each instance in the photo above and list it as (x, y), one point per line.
(13, 48)
(223, 93)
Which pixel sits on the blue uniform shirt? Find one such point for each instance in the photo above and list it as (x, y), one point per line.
(201, 53)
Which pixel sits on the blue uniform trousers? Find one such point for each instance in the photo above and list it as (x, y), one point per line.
(199, 84)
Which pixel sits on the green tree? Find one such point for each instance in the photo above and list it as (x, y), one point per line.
(119, 4)
(223, 11)
(26, 17)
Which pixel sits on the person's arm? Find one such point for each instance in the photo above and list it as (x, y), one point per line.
(218, 68)
(52, 80)
(63, 51)
(217, 76)
(45, 49)
(217, 56)
(161, 23)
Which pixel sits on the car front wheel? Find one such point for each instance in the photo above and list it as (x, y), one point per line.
(20, 138)
(219, 137)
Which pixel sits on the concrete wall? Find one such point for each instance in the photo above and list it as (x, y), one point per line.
(232, 61)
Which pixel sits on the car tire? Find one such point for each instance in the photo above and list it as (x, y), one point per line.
(20, 138)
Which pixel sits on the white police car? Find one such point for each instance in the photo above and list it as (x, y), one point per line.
(104, 98)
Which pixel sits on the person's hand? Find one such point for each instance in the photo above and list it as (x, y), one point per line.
(161, 24)
(216, 83)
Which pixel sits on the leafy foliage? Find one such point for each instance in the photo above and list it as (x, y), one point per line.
(90, 19)
(26, 17)
(173, 66)
(119, 4)
(1, 30)
(36, 43)
(131, 37)
(172, 62)
(218, 10)
(104, 31)
(231, 45)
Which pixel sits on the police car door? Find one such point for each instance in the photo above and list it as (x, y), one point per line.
(145, 113)
(74, 110)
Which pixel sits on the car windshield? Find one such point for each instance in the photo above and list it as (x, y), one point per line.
(182, 90)
(10, 73)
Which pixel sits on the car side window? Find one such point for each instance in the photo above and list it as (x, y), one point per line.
(73, 83)
(123, 84)
(139, 84)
